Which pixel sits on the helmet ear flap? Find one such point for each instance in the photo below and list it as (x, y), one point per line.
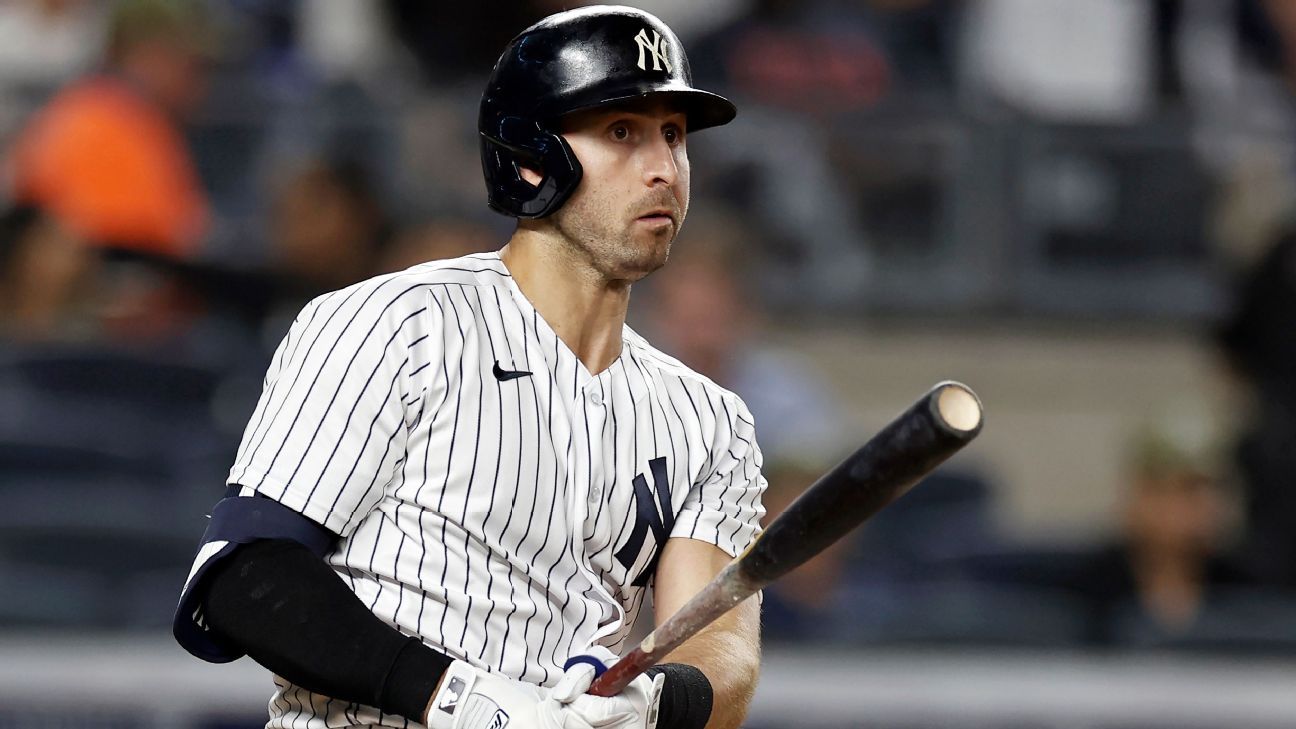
(513, 142)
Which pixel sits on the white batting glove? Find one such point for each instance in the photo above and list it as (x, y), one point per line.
(470, 698)
(634, 708)
(581, 672)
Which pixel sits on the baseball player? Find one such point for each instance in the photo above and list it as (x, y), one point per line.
(461, 479)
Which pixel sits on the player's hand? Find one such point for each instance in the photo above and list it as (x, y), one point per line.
(580, 672)
(470, 698)
(634, 708)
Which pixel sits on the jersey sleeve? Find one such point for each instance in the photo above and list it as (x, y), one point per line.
(725, 508)
(328, 432)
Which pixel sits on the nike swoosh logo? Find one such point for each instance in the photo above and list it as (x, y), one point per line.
(504, 375)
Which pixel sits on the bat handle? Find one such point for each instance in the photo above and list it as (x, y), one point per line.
(621, 673)
(730, 587)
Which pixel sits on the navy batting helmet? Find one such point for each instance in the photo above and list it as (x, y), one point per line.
(575, 60)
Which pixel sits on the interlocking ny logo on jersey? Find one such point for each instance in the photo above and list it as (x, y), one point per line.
(647, 517)
(659, 49)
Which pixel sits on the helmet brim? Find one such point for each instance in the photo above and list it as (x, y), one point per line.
(702, 109)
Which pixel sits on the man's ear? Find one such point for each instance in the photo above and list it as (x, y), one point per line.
(530, 175)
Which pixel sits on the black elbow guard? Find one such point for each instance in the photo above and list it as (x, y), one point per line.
(289, 611)
(686, 698)
(235, 521)
(260, 587)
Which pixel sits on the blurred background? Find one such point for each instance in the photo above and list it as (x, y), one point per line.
(1084, 210)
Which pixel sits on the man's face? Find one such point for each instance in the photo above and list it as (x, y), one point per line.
(634, 192)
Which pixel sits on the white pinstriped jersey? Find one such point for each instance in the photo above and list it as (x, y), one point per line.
(508, 522)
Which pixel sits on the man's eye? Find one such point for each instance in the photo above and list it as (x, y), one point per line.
(620, 133)
(672, 136)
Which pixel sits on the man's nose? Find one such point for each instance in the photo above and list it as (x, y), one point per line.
(659, 163)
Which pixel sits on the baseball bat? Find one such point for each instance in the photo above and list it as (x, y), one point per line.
(883, 469)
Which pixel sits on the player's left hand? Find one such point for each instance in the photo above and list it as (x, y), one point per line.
(634, 708)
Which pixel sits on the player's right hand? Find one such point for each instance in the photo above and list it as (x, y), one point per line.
(470, 698)
(634, 708)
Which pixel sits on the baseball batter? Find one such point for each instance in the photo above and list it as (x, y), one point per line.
(461, 479)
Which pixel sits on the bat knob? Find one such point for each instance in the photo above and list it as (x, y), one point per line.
(958, 408)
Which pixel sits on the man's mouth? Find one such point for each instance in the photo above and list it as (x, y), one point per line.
(661, 215)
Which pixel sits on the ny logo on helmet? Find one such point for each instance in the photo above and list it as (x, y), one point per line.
(657, 47)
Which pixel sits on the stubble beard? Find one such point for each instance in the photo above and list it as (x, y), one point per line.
(615, 245)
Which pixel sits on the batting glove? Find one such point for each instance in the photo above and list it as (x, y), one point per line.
(634, 708)
(470, 698)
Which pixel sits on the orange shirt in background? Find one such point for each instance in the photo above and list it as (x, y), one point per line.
(114, 168)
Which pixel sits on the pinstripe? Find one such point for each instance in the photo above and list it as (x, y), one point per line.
(609, 450)
(634, 444)
(614, 446)
(517, 483)
(336, 392)
(469, 484)
(468, 489)
(637, 604)
(272, 383)
(536, 451)
(513, 577)
(423, 543)
(710, 458)
(544, 637)
(445, 487)
(623, 529)
(293, 384)
(573, 499)
(396, 561)
(356, 463)
(499, 451)
(732, 435)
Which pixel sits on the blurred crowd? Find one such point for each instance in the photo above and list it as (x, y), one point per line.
(180, 177)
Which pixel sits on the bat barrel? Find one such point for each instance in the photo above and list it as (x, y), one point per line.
(883, 469)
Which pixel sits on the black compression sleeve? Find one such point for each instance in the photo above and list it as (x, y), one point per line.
(288, 610)
(686, 697)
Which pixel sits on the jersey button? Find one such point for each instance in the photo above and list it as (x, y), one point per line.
(596, 398)
(595, 493)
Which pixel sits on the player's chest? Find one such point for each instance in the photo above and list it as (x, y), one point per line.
(603, 433)
(613, 455)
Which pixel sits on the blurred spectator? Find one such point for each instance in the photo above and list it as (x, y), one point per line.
(445, 237)
(1062, 60)
(812, 602)
(823, 56)
(1258, 338)
(690, 19)
(106, 165)
(44, 43)
(1158, 576)
(43, 271)
(462, 40)
(438, 142)
(106, 157)
(1257, 333)
(347, 41)
(701, 313)
(327, 227)
(1114, 61)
